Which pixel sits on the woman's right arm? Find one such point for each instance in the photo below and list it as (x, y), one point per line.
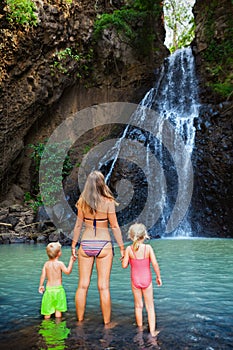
(77, 230)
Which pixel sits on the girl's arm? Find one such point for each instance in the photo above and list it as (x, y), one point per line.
(68, 270)
(125, 261)
(115, 226)
(155, 266)
(77, 230)
(42, 279)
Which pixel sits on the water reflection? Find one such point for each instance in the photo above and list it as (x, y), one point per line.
(54, 333)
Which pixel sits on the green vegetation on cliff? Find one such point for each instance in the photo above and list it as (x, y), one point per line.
(22, 12)
(219, 52)
(52, 155)
(133, 22)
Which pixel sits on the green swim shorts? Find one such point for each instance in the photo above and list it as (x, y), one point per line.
(54, 299)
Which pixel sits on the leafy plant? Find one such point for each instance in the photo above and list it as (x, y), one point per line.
(33, 201)
(225, 89)
(86, 149)
(22, 12)
(133, 22)
(121, 20)
(65, 60)
(53, 176)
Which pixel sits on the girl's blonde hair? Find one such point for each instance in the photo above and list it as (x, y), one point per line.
(53, 249)
(94, 190)
(136, 233)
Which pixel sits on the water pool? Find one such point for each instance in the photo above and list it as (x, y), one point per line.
(194, 307)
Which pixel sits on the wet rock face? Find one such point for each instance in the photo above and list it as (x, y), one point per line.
(213, 158)
(39, 89)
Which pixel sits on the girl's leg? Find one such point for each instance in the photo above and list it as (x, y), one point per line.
(104, 266)
(149, 303)
(138, 305)
(85, 266)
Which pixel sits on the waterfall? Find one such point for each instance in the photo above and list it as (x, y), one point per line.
(157, 178)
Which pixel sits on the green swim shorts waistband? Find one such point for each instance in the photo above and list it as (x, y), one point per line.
(54, 287)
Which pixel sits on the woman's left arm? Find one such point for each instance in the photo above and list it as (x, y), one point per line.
(115, 227)
(125, 260)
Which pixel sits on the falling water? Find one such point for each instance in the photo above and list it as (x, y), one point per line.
(164, 124)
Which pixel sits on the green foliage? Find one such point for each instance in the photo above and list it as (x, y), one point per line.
(225, 89)
(145, 5)
(53, 178)
(133, 22)
(219, 52)
(33, 201)
(67, 59)
(22, 12)
(121, 20)
(86, 149)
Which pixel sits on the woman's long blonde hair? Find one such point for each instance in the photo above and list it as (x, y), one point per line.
(136, 233)
(94, 190)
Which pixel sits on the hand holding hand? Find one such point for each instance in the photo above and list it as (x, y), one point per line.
(73, 257)
(73, 252)
(122, 250)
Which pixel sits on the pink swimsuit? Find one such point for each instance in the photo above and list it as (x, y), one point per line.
(141, 276)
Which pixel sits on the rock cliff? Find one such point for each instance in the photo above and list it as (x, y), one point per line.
(56, 68)
(213, 156)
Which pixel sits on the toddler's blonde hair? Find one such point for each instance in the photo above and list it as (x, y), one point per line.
(53, 249)
(136, 233)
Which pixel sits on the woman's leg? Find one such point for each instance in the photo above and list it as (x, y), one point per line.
(104, 266)
(149, 303)
(138, 305)
(85, 266)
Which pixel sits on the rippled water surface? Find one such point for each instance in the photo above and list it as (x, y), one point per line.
(194, 306)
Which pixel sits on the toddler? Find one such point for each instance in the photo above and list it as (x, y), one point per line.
(54, 297)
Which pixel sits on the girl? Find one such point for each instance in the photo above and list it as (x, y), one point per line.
(139, 256)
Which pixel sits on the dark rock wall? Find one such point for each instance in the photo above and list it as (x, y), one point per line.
(38, 91)
(213, 156)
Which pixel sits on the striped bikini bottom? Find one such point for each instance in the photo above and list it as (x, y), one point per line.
(94, 247)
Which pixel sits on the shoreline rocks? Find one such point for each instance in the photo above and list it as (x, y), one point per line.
(18, 225)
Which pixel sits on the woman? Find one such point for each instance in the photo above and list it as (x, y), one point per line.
(96, 208)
